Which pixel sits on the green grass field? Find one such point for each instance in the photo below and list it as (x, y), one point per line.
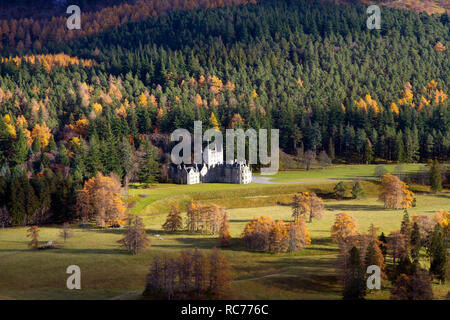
(109, 272)
(344, 172)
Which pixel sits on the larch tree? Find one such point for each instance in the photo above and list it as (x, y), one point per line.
(100, 198)
(33, 234)
(397, 245)
(298, 235)
(220, 275)
(65, 233)
(136, 239)
(395, 193)
(344, 228)
(224, 232)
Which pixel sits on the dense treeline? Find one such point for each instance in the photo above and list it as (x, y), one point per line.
(312, 70)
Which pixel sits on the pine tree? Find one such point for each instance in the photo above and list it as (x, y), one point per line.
(438, 265)
(339, 190)
(354, 286)
(148, 165)
(405, 228)
(63, 156)
(435, 176)
(416, 242)
(20, 149)
(174, 221)
(17, 201)
(383, 244)
(36, 146)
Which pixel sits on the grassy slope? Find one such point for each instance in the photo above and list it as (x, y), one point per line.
(160, 198)
(108, 271)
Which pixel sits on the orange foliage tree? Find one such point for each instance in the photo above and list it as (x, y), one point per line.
(395, 193)
(265, 234)
(344, 228)
(100, 199)
(224, 232)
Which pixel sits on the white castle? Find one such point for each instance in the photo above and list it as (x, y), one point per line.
(213, 169)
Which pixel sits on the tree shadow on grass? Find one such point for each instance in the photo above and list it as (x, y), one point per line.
(354, 207)
(300, 274)
(117, 250)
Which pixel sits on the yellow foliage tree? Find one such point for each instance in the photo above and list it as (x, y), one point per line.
(395, 193)
(100, 198)
(344, 228)
(42, 132)
(142, 100)
(97, 108)
(213, 121)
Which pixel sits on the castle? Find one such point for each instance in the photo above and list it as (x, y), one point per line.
(212, 170)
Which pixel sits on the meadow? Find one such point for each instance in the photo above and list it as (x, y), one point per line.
(109, 272)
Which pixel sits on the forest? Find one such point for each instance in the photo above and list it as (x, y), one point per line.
(105, 99)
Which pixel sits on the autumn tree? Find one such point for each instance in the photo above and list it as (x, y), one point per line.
(298, 235)
(135, 239)
(33, 233)
(220, 275)
(395, 193)
(174, 222)
(412, 287)
(65, 233)
(307, 204)
(397, 245)
(343, 228)
(100, 198)
(224, 232)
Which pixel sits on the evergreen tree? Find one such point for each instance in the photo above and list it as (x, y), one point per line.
(355, 286)
(438, 265)
(416, 242)
(339, 190)
(383, 244)
(63, 156)
(405, 228)
(148, 165)
(36, 146)
(435, 176)
(357, 191)
(20, 149)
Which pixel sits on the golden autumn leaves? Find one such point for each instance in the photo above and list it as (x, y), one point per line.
(430, 94)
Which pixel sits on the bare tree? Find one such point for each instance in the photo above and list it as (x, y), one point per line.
(66, 233)
(308, 159)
